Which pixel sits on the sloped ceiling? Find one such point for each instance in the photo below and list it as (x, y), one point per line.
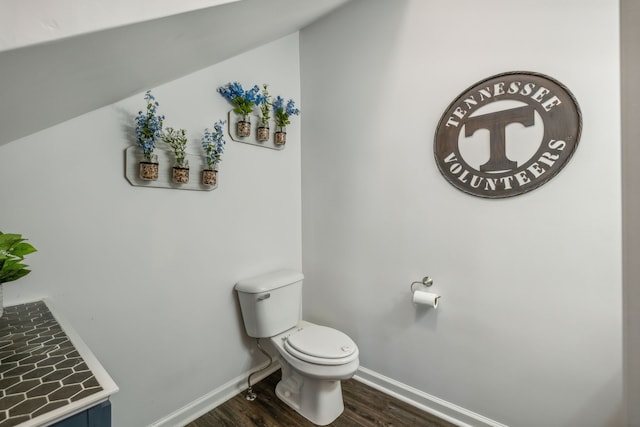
(46, 84)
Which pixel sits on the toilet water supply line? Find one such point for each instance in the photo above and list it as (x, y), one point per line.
(251, 395)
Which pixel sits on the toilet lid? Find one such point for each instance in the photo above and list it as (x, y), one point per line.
(321, 345)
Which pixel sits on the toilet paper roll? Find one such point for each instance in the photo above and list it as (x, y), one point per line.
(426, 298)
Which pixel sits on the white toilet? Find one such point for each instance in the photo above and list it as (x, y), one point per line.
(313, 358)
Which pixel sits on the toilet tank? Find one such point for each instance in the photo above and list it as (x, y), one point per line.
(270, 303)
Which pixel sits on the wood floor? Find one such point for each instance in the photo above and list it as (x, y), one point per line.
(364, 406)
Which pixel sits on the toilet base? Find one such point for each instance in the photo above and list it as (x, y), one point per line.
(319, 401)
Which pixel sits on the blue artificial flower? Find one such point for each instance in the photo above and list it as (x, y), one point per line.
(242, 100)
(148, 126)
(213, 143)
(283, 112)
(291, 110)
(277, 104)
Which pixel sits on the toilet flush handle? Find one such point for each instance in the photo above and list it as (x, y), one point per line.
(264, 297)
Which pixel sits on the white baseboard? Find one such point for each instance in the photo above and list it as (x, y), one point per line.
(211, 400)
(431, 404)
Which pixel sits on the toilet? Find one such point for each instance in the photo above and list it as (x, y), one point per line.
(314, 358)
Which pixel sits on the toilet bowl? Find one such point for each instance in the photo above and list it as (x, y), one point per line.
(314, 358)
(318, 351)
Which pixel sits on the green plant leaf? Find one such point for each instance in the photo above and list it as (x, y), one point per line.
(13, 264)
(8, 240)
(12, 251)
(11, 275)
(22, 249)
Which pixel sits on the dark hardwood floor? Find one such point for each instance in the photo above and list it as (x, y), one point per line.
(363, 406)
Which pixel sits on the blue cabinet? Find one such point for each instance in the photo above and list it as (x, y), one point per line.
(98, 416)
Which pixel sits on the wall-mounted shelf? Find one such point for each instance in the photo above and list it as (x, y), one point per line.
(252, 139)
(166, 160)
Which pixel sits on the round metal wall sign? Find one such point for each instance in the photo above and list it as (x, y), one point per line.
(507, 135)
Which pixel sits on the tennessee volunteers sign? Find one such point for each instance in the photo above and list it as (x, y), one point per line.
(507, 135)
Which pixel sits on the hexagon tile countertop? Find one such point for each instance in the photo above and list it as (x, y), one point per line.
(42, 374)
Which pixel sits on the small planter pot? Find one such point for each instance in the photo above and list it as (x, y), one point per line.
(180, 175)
(280, 137)
(181, 172)
(149, 169)
(243, 127)
(262, 133)
(209, 177)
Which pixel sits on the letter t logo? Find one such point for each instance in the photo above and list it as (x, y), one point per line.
(496, 123)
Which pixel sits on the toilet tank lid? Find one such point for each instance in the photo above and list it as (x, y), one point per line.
(269, 281)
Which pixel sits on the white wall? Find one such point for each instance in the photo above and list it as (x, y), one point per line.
(146, 275)
(528, 332)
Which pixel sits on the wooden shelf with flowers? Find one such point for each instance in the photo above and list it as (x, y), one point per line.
(240, 117)
(149, 166)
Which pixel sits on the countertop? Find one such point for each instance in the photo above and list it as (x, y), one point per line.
(47, 373)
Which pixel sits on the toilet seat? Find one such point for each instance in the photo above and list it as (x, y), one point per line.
(321, 345)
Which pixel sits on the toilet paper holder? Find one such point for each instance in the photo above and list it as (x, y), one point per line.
(426, 281)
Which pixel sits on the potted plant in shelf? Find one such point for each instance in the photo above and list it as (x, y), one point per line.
(282, 113)
(177, 140)
(213, 146)
(263, 100)
(13, 249)
(243, 102)
(148, 131)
